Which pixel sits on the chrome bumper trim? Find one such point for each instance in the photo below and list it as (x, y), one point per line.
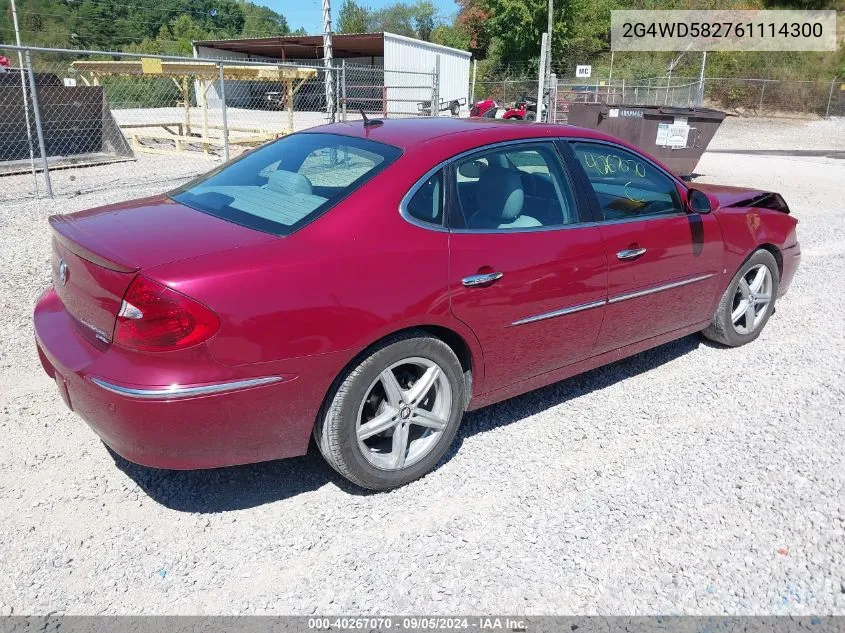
(176, 391)
(649, 291)
(561, 312)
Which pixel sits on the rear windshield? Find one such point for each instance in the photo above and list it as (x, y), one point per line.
(282, 186)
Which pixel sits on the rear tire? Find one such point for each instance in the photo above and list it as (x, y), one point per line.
(530, 116)
(454, 108)
(747, 303)
(376, 429)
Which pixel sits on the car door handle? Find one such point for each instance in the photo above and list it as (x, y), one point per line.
(481, 280)
(630, 253)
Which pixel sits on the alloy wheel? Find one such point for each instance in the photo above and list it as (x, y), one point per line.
(404, 413)
(752, 298)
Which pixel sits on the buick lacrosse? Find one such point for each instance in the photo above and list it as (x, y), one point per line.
(366, 283)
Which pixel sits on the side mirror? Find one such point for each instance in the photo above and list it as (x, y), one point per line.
(700, 202)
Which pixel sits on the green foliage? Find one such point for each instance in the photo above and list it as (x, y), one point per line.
(151, 26)
(418, 20)
(451, 35)
(506, 35)
(353, 18)
(263, 22)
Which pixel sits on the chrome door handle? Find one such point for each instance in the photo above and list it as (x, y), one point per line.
(630, 253)
(481, 280)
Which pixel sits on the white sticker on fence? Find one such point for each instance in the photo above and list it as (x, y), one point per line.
(671, 135)
(69, 82)
(583, 71)
(614, 113)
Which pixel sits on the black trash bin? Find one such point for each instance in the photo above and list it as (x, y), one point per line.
(675, 136)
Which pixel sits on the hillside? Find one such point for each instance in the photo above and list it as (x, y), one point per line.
(152, 26)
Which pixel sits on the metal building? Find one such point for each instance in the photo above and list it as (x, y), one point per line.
(397, 57)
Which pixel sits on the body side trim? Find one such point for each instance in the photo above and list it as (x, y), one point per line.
(561, 312)
(648, 291)
(175, 391)
(614, 299)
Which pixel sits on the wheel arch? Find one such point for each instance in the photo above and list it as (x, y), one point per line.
(775, 251)
(470, 358)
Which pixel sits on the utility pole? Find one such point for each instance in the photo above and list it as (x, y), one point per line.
(25, 98)
(327, 57)
(701, 80)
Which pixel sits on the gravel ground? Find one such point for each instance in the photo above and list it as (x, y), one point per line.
(688, 479)
(737, 133)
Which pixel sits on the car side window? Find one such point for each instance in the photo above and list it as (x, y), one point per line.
(514, 187)
(426, 205)
(627, 186)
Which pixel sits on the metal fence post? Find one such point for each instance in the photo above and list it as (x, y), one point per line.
(762, 92)
(435, 85)
(829, 98)
(223, 112)
(37, 112)
(343, 88)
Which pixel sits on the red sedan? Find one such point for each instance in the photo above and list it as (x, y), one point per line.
(368, 283)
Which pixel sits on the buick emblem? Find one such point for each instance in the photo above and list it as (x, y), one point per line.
(62, 272)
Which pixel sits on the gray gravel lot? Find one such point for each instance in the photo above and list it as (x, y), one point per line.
(689, 479)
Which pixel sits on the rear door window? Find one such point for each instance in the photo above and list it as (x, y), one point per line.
(514, 187)
(282, 186)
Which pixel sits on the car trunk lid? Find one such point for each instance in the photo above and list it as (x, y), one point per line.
(97, 253)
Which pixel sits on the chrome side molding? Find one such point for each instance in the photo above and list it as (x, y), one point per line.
(614, 299)
(561, 312)
(649, 291)
(176, 391)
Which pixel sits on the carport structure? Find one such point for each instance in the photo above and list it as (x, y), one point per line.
(183, 73)
(389, 73)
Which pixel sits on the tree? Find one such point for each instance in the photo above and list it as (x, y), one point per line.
(425, 15)
(451, 35)
(472, 19)
(395, 18)
(262, 21)
(353, 18)
(413, 20)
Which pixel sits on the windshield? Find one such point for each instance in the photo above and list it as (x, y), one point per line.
(282, 186)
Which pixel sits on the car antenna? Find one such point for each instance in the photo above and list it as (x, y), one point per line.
(370, 122)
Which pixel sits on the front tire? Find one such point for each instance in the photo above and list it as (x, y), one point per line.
(391, 418)
(748, 302)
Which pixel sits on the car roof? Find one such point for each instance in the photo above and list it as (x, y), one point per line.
(411, 133)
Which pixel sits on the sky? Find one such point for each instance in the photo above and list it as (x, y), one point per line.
(309, 14)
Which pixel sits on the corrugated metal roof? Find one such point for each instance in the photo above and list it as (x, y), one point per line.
(304, 46)
(344, 45)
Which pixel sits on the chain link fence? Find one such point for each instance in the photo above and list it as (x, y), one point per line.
(757, 97)
(132, 119)
(79, 121)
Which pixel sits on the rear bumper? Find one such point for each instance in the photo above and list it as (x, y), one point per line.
(241, 415)
(791, 260)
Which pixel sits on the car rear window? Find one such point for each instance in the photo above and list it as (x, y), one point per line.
(285, 185)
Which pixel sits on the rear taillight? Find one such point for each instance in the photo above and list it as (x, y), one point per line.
(154, 318)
